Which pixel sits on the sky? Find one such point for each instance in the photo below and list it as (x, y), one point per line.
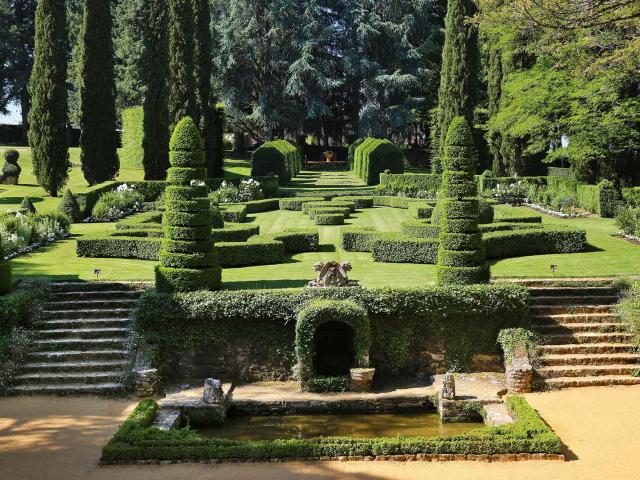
(13, 117)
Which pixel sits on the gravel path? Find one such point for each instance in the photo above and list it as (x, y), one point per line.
(44, 438)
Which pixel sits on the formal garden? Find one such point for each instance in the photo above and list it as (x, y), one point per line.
(365, 267)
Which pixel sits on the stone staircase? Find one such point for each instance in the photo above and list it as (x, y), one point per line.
(82, 343)
(584, 342)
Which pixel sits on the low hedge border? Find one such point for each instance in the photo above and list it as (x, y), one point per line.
(99, 246)
(314, 211)
(258, 206)
(136, 440)
(518, 241)
(297, 203)
(298, 240)
(233, 213)
(329, 218)
(235, 232)
(257, 251)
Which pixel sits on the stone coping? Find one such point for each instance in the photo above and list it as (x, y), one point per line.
(420, 457)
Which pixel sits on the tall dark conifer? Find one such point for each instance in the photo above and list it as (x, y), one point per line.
(457, 94)
(98, 136)
(494, 92)
(48, 89)
(182, 85)
(156, 107)
(205, 105)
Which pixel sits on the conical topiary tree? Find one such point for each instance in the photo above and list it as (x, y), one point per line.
(461, 256)
(188, 261)
(69, 206)
(27, 204)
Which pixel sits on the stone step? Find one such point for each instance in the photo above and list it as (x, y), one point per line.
(585, 370)
(68, 377)
(78, 355)
(87, 313)
(581, 327)
(497, 414)
(60, 333)
(568, 309)
(567, 318)
(81, 343)
(568, 382)
(585, 348)
(587, 337)
(558, 360)
(85, 323)
(78, 366)
(69, 389)
(72, 296)
(92, 286)
(574, 300)
(572, 291)
(99, 304)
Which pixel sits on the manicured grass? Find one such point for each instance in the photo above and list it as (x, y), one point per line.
(331, 180)
(11, 195)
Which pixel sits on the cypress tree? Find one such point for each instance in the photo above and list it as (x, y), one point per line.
(98, 137)
(48, 89)
(459, 73)
(494, 92)
(156, 110)
(206, 117)
(461, 256)
(182, 87)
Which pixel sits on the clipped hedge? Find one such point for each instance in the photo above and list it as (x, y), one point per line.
(234, 232)
(351, 154)
(359, 201)
(256, 251)
(420, 229)
(393, 202)
(374, 156)
(233, 212)
(400, 248)
(329, 218)
(100, 246)
(280, 157)
(539, 241)
(296, 203)
(358, 239)
(298, 240)
(410, 184)
(421, 210)
(336, 203)
(135, 440)
(314, 211)
(260, 206)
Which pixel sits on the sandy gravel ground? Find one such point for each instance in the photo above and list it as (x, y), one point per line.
(44, 438)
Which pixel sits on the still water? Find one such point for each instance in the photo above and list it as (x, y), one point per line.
(358, 426)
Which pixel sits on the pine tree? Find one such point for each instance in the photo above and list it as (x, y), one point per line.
(48, 115)
(182, 87)
(156, 111)
(457, 94)
(98, 136)
(129, 23)
(461, 256)
(205, 105)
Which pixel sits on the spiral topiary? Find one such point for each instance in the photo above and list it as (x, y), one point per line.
(188, 261)
(461, 256)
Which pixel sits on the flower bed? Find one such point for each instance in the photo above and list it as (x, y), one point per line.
(21, 234)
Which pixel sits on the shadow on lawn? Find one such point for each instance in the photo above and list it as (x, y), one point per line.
(10, 200)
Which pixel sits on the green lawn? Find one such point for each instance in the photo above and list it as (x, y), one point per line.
(11, 196)
(607, 255)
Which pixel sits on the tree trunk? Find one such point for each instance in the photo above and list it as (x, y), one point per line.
(25, 106)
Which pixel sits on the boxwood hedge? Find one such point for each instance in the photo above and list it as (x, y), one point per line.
(296, 203)
(256, 251)
(136, 440)
(329, 218)
(400, 248)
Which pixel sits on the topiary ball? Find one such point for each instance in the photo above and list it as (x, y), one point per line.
(11, 155)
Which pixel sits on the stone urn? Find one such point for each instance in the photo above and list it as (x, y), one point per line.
(328, 156)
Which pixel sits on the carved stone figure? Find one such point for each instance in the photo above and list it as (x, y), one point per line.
(332, 274)
(213, 391)
(449, 387)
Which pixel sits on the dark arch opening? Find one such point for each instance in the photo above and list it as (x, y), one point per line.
(334, 349)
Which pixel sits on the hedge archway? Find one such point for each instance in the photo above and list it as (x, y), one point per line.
(320, 312)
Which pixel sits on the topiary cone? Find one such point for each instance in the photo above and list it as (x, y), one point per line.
(461, 256)
(188, 260)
